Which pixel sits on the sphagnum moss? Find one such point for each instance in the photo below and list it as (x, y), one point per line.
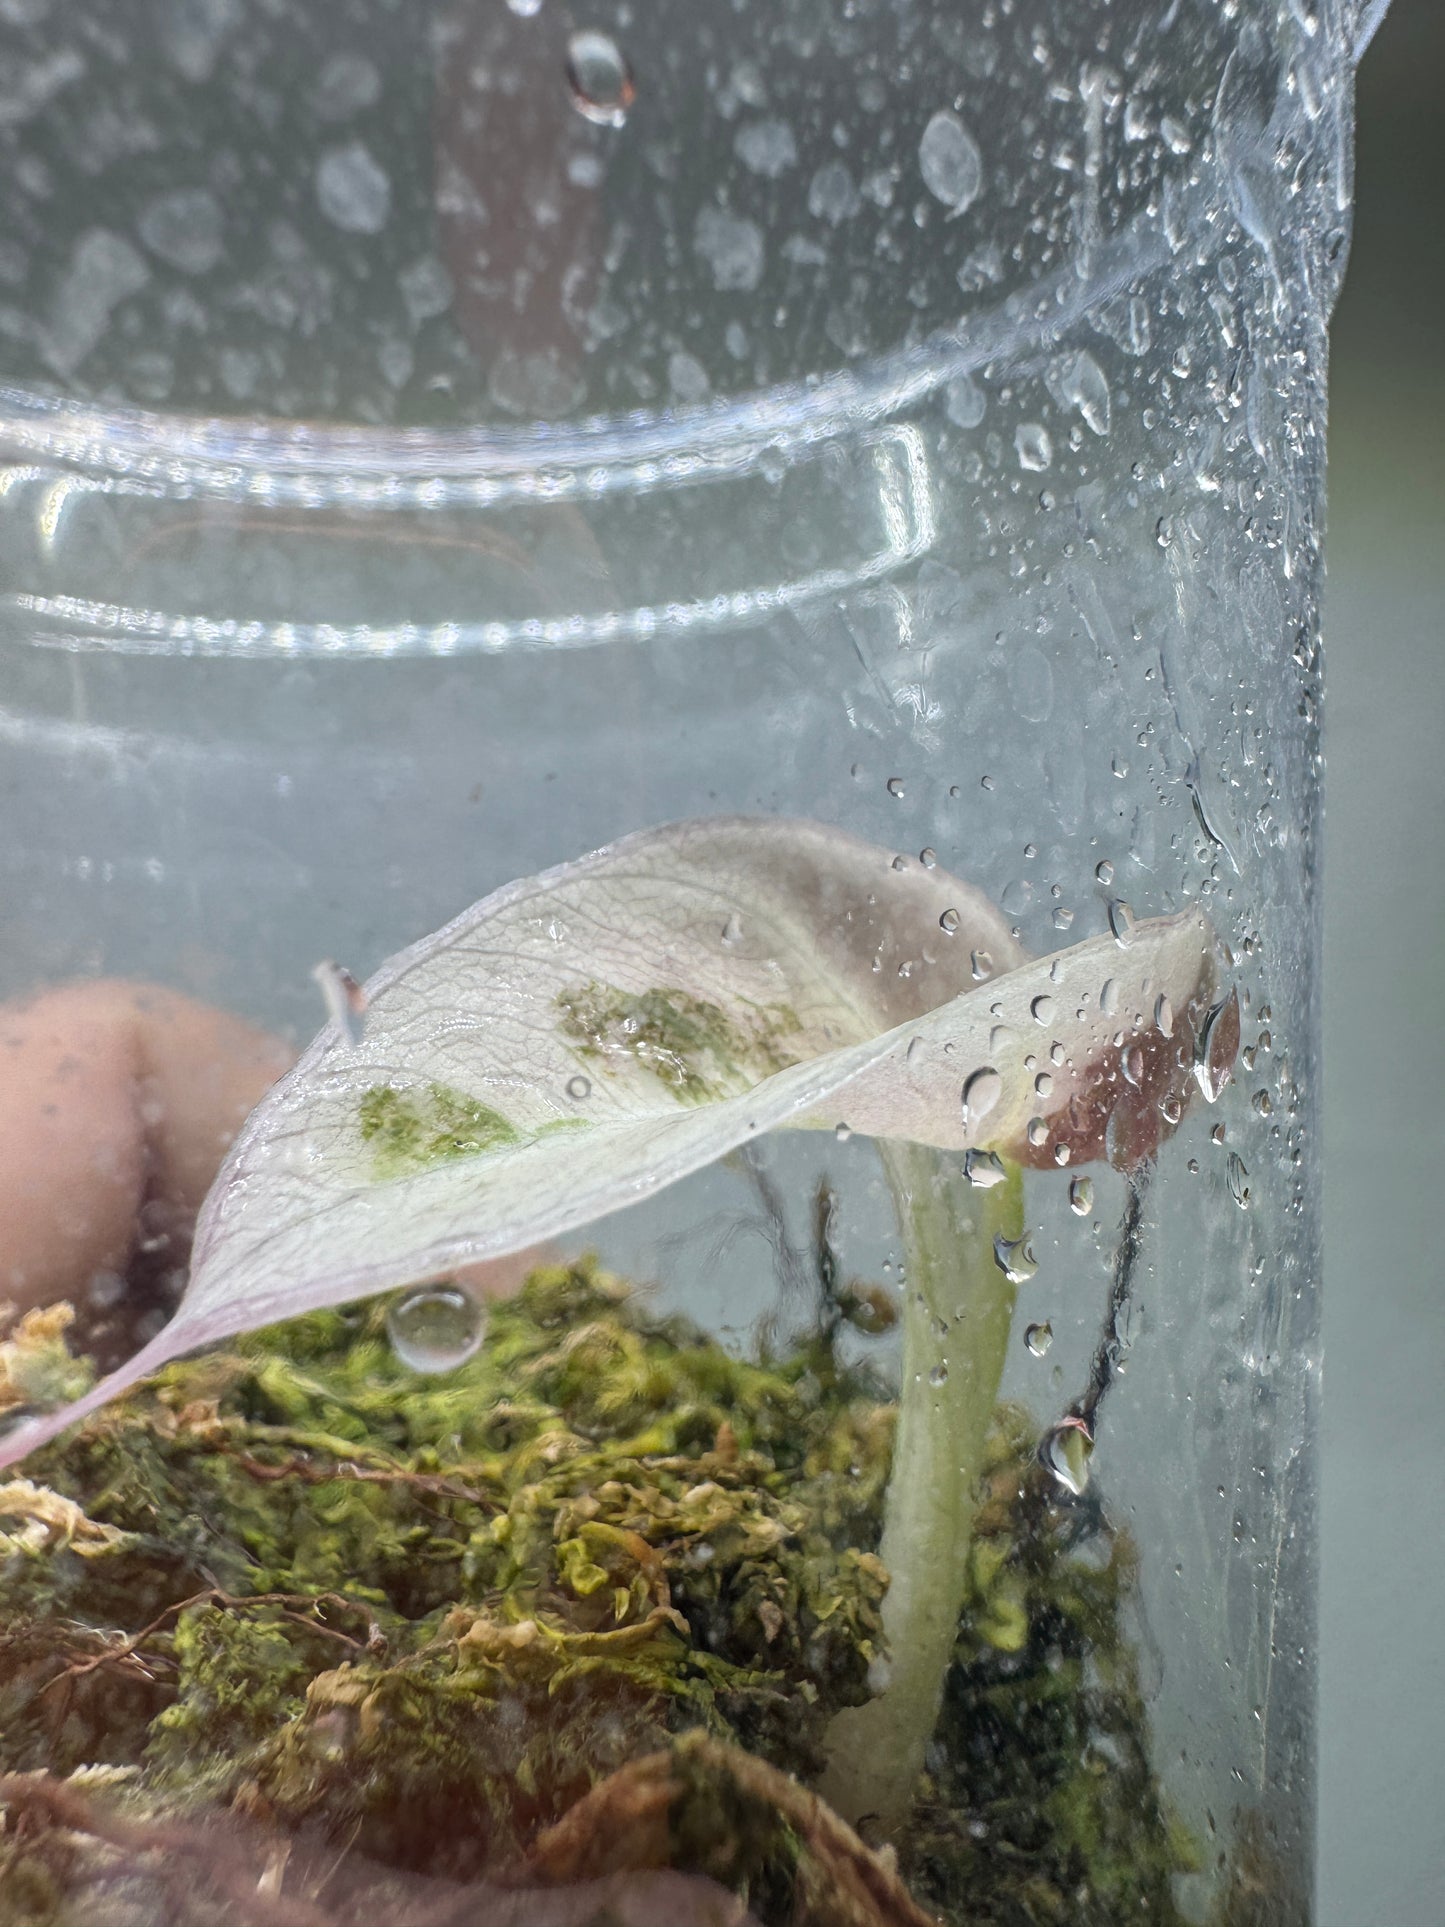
(427, 1620)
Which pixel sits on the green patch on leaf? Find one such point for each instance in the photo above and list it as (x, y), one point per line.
(412, 1132)
(691, 1046)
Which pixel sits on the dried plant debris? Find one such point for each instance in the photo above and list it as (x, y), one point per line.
(292, 1624)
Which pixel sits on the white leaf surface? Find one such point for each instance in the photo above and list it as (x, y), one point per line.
(581, 1039)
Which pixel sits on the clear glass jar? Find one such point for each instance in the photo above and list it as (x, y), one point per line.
(441, 441)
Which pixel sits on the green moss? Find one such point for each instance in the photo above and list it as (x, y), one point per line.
(692, 1047)
(413, 1132)
(430, 1614)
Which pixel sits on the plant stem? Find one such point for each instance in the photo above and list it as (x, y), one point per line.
(958, 1311)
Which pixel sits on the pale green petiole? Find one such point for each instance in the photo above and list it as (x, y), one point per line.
(957, 1318)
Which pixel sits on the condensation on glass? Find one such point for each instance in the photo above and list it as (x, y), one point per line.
(438, 440)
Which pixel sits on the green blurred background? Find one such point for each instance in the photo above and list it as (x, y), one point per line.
(1382, 1816)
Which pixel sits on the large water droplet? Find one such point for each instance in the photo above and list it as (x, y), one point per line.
(1218, 1047)
(1033, 445)
(949, 921)
(353, 190)
(1015, 1257)
(981, 964)
(599, 77)
(1038, 1338)
(1164, 1015)
(949, 160)
(1065, 1451)
(984, 1169)
(981, 1092)
(1082, 383)
(964, 402)
(1042, 1009)
(1104, 872)
(1121, 922)
(436, 1329)
(1237, 1173)
(1081, 1196)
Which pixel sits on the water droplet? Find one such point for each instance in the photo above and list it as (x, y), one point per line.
(1043, 1085)
(579, 1087)
(1015, 1257)
(1038, 1132)
(950, 163)
(981, 1092)
(352, 190)
(1109, 996)
(1082, 385)
(964, 402)
(1121, 922)
(1038, 1338)
(1042, 1009)
(939, 1374)
(1081, 1197)
(1164, 1015)
(1218, 1047)
(1104, 872)
(895, 786)
(928, 858)
(1132, 1065)
(185, 227)
(842, 1132)
(949, 921)
(345, 999)
(732, 930)
(1063, 918)
(981, 963)
(436, 1329)
(833, 194)
(1238, 1177)
(1062, 1154)
(1217, 1134)
(768, 147)
(1065, 1451)
(984, 1169)
(599, 77)
(1033, 445)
